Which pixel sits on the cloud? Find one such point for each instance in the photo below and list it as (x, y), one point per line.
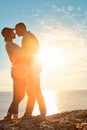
(79, 8)
(85, 13)
(70, 8)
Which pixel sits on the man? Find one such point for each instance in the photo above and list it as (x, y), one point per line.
(31, 46)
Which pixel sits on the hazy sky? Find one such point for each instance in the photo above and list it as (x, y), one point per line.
(59, 24)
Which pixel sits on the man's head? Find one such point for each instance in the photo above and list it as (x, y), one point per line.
(8, 33)
(20, 29)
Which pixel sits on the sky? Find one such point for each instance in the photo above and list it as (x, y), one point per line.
(61, 28)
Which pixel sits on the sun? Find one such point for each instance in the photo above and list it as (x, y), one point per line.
(49, 56)
(52, 58)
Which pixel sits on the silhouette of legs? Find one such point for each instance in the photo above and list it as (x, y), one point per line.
(34, 93)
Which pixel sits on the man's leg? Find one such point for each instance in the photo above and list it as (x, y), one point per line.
(30, 104)
(38, 93)
(40, 98)
(31, 96)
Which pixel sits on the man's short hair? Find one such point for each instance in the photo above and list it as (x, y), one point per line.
(20, 25)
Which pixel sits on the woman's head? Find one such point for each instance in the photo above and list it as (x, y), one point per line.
(8, 33)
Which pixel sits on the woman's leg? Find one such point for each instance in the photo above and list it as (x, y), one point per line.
(18, 94)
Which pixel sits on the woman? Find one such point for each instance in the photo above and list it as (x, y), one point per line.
(19, 62)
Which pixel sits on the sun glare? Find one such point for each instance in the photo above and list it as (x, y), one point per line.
(48, 56)
(52, 58)
(51, 102)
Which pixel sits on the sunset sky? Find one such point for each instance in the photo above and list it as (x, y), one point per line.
(61, 28)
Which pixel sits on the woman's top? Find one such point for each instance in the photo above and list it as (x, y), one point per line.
(22, 63)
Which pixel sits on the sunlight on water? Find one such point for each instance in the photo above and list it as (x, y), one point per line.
(51, 100)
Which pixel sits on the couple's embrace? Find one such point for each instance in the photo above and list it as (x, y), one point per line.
(25, 70)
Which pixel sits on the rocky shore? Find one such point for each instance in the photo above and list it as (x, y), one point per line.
(72, 120)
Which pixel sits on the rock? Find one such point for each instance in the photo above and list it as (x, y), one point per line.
(72, 120)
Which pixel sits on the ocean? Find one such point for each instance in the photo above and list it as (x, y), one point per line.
(56, 102)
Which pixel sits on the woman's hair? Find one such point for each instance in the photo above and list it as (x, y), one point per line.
(6, 32)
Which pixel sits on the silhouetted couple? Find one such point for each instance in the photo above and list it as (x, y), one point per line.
(25, 70)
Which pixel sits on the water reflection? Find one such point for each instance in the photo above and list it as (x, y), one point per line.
(51, 102)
